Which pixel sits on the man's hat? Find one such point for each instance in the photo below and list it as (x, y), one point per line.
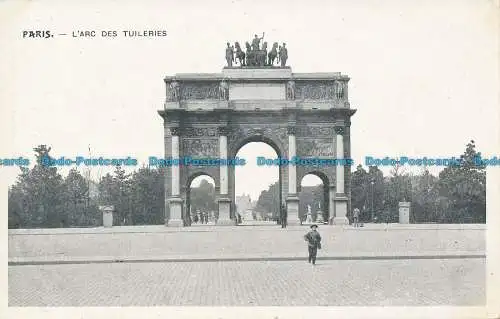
(314, 225)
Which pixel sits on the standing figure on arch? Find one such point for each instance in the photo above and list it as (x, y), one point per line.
(283, 55)
(256, 42)
(229, 55)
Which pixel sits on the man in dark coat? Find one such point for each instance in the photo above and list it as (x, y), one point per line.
(283, 216)
(313, 242)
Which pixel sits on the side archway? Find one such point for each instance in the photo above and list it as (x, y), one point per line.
(200, 206)
(314, 197)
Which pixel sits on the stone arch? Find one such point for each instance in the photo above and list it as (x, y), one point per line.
(326, 202)
(186, 216)
(237, 145)
(195, 172)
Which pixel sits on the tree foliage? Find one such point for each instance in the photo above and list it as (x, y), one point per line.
(41, 197)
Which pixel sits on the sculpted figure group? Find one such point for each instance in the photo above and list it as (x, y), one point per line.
(256, 55)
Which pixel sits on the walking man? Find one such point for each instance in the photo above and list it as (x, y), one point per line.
(355, 216)
(313, 243)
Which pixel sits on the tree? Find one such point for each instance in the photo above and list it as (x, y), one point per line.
(397, 189)
(75, 195)
(374, 186)
(115, 190)
(465, 187)
(40, 193)
(202, 198)
(359, 188)
(147, 196)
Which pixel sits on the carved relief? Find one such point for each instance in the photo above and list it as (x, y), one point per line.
(200, 91)
(291, 130)
(223, 130)
(290, 90)
(224, 90)
(314, 132)
(199, 131)
(175, 131)
(339, 130)
(201, 147)
(316, 148)
(321, 90)
(173, 90)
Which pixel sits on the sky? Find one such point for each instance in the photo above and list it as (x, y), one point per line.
(423, 73)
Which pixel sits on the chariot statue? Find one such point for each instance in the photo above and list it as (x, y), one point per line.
(255, 55)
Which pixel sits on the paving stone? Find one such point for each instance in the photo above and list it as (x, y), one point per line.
(293, 283)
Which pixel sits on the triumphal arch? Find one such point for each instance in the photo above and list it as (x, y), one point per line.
(300, 115)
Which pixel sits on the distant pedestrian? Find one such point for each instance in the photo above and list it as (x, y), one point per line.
(355, 216)
(283, 216)
(313, 239)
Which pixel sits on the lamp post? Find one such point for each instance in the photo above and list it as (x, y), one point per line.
(372, 183)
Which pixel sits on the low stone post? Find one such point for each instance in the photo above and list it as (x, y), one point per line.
(107, 215)
(404, 212)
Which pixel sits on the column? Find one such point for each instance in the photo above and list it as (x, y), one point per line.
(224, 200)
(292, 201)
(331, 203)
(223, 168)
(175, 201)
(340, 196)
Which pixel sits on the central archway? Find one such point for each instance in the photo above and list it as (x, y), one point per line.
(256, 189)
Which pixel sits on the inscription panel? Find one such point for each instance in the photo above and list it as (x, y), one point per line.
(257, 91)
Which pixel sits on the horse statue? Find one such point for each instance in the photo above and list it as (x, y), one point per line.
(273, 54)
(240, 55)
(250, 55)
(262, 55)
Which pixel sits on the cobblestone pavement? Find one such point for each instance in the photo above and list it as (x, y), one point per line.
(265, 241)
(294, 283)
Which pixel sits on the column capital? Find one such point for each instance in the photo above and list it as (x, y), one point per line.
(175, 131)
(291, 130)
(339, 130)
(223, 130)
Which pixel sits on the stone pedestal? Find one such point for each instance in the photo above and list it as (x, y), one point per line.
(175, 220)
(404, 212)
(340, 211)
(309, 219)
(319, 217)
(107, 215)
(292, 209)
(224, 212)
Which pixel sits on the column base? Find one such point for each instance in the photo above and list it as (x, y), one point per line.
(292, 211)
(175, 220)
(175, 223)
(224, 213)
(225, 222)
(340, 221)
(340, 210)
